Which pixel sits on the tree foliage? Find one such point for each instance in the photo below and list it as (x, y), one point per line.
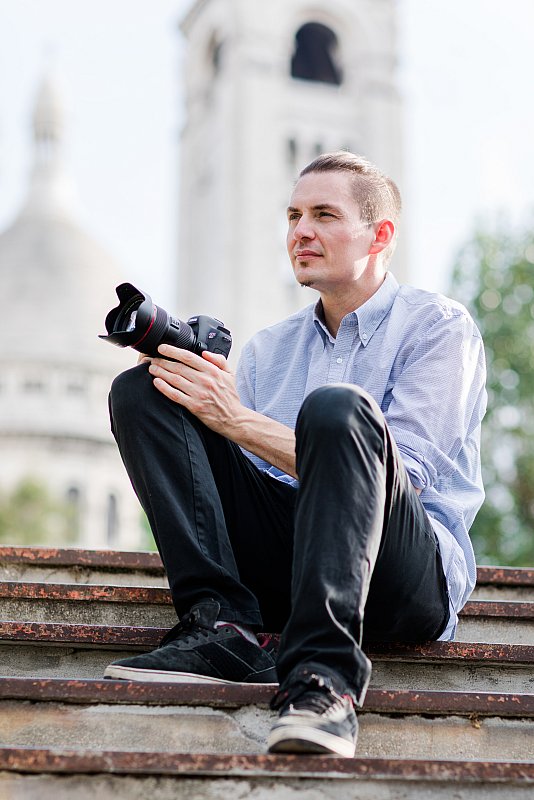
(494, 278)
(29, 515)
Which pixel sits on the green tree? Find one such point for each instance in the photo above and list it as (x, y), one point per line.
(29, 515)
(494, 278)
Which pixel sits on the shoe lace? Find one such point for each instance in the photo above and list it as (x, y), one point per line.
(188, 628)
(311, 692)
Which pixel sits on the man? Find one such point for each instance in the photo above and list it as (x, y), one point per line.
(372, 398)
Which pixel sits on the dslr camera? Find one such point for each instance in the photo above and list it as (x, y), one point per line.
(139, 323)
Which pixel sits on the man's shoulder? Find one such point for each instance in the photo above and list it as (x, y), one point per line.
(433, 305)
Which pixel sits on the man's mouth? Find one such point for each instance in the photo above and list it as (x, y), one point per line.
(303, 254)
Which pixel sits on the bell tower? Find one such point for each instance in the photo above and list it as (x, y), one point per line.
(268, 87)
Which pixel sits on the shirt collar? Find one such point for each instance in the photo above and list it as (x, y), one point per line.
(368, 316)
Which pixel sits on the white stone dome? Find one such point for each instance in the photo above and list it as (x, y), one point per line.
(57, 282)
(57, 287)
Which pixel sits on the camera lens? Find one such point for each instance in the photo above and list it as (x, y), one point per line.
(139, 323)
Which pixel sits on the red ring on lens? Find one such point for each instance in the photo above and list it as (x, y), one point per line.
(143, 337)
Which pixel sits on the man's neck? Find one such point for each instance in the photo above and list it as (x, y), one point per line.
(336, 306)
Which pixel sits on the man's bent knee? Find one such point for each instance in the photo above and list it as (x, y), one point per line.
(131, 390)
(339, 405)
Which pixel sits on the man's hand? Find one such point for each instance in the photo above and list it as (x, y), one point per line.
(203, 384)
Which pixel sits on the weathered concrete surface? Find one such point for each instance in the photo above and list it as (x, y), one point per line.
(114, 787)
(500, 592)
(492, 629)
(87, 613)
(43, 573)
(57, 661)
(183, 729)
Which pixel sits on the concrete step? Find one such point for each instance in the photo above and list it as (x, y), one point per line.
(113, 567)
(72, 565)
(504, 583)
(508, 622)
(83, 651)
(235, 719)
(31, 774)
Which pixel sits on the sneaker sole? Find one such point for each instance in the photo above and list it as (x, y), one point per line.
(162, 676)
(302, 739)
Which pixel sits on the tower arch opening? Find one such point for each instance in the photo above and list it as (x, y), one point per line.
(315, 57)
(214, 54)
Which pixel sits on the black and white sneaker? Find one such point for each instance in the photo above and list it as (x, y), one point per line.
(314, 718)
(196, 651)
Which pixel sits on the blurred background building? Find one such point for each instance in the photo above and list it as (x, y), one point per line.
(57, 449)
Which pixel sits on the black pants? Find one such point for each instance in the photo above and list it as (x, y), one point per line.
(309, 562)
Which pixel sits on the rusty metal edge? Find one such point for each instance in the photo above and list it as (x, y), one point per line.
(73, 557)
(85, 592)
(30, 760)
(124, 636)
(83, 692)
(505, 576)
(503, 609)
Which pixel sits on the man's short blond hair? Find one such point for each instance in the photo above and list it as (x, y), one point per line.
(377, 195)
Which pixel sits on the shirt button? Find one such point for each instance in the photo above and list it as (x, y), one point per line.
(339, 360)
(364, 337)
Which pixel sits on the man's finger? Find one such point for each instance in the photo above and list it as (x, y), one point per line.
(184, 356)
(217, 359)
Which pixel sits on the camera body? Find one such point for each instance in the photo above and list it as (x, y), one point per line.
(139, 323)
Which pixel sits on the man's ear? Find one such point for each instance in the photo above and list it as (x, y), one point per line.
(384, 232)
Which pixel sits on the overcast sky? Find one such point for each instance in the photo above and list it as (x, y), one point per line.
(466, 70)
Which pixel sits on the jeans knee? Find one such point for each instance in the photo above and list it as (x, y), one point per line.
(130, 392)
(339, 406)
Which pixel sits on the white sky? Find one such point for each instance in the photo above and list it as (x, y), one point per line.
(466, 73)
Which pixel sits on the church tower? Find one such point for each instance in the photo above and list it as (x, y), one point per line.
(270, 85)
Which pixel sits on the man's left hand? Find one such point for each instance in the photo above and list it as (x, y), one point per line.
(204, 385)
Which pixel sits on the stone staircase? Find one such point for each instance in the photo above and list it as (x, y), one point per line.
(440, 720)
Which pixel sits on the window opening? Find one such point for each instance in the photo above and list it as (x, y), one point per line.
(315, 56)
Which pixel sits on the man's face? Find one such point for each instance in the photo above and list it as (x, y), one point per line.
(327, 242)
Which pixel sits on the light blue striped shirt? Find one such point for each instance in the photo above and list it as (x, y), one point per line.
(421, 357)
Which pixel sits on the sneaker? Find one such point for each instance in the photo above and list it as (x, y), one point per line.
(195, 651)
(314, 718)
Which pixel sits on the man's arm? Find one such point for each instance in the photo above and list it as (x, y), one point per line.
(438, 400)
(206, 387)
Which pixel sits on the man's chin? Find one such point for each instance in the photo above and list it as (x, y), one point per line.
(307, 283)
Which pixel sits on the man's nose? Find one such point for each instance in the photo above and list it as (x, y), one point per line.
(303, 229)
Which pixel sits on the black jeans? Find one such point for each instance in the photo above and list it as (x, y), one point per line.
(308, 562)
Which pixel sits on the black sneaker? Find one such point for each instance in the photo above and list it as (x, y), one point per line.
(314, 718)
(195, 651)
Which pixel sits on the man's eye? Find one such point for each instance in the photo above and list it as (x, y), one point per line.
(325, 214)
(292, 217)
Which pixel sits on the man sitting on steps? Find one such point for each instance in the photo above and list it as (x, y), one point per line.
(326, 491)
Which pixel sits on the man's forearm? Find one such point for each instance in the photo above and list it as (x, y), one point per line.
(265, 438)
